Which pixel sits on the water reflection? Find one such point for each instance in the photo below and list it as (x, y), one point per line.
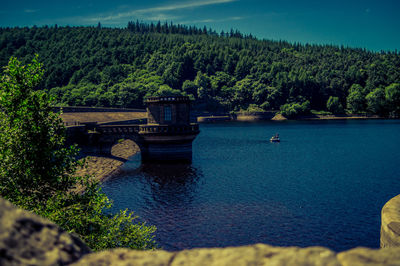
(163, 195)
(171, 182)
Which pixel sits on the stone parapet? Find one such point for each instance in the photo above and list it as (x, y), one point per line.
(170, 129)
(254, 116)
(26, 239)
(390, 226)
(258, 254)
(174, 99)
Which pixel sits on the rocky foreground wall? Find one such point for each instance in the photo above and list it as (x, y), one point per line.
(390, 226)
(26, 239)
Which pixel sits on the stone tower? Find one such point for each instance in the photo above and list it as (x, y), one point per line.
(168, 134)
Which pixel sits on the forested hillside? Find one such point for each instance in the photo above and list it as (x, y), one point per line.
(95, 66)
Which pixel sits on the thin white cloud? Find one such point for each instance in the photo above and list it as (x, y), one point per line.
(154, 12)
(162, 17)
(31, 10)
(184, 5)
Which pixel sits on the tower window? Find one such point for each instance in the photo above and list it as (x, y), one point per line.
(167, 113)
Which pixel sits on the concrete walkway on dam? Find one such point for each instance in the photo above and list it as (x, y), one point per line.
(76, 118)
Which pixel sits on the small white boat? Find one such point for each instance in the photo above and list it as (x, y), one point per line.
(275, 138)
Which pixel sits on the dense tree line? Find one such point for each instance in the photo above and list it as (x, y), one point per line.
(96, 66)
(140, 27)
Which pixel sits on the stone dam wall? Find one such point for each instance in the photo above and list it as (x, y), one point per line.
(390, 225)
(84, 109)
(27, 239)
(244, 116)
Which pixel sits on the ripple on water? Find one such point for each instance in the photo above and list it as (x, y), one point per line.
(324, 184)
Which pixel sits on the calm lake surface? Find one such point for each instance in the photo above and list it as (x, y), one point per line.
(324, 184)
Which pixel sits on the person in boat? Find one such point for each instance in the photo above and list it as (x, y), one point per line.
(275, 138)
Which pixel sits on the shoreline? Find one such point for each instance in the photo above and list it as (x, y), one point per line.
(279, 117)
(101, 167)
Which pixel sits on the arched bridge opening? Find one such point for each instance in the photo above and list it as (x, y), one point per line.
(167, 136)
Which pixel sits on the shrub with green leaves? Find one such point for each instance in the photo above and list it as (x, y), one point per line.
(333, 104)
(291, 110)
(37, 171)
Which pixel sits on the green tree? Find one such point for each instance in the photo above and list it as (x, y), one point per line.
(260, 93)
(166, 90)
(376, 101)
(203, 83)
(190, 88)
(243, 93)
(392, 95)
(292, 110)
(33, 160)
(37, 171)
(243, 67)
(333, 105)
(356, 99)
(253, 108)
(173, 54)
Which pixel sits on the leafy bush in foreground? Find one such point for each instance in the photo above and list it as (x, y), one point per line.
(37, 171)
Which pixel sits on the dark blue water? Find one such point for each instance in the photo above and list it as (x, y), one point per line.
(324, 184)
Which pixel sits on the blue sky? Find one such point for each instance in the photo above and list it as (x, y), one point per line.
(374, 25)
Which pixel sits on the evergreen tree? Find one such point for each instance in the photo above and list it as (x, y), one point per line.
(77, 58)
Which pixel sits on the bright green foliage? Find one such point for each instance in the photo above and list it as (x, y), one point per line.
(392, 94)
(98, 66)
(376, 101)
(84, 214)
(333, 105)
(315, 112)
(292, 110)
(37, 172)
(189, 87)
(253, 108)
(33, 159)
(356, 99)
(203, 83)
(243, 92)
(166, 90)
